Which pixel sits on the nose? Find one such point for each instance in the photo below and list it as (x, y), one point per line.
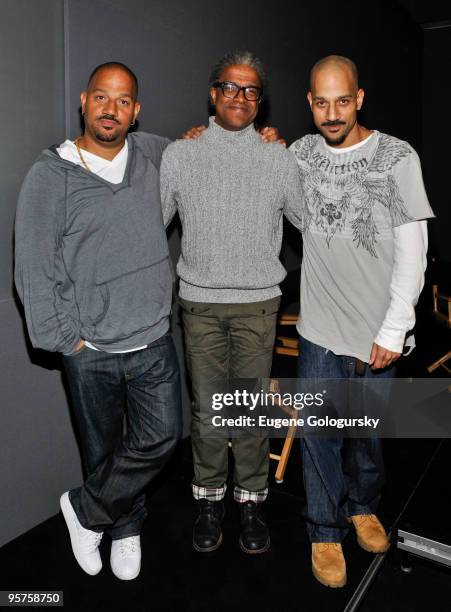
(240, 97)
(332, 112)
(110, 108)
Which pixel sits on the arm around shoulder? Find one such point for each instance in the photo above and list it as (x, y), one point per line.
(153, 146)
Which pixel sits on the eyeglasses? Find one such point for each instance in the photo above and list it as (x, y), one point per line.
(232, 90)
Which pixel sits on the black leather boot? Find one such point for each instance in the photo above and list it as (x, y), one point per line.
(254, 536)
(207, 535)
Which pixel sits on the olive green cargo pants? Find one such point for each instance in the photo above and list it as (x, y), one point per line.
(228, 341)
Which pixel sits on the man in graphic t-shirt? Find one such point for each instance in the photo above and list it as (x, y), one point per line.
(365, 242)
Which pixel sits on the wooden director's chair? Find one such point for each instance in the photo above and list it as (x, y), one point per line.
(285, 345)
(282, 459)
(441, 310)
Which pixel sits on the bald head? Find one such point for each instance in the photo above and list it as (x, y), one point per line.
(118, 66)
(335, 98)
(334, 63)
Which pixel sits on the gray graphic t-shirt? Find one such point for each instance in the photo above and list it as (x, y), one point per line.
(352, 200)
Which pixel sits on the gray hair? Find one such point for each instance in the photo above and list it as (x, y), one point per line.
(236, 58)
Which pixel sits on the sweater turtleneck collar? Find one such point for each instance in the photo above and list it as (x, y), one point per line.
(217, 133)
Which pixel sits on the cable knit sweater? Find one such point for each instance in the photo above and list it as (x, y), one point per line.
(231, 191)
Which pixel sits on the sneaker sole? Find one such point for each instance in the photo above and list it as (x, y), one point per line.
(259, 551)
(209, 548)
(68, 514)
(132, 577)
(334, 585)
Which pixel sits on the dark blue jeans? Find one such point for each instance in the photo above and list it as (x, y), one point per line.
(128, 410)
(342, 477)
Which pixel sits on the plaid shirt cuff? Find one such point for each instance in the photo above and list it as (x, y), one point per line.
(213, 494)
(243, 495)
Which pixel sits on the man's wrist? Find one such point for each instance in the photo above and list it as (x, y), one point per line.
(392, 341)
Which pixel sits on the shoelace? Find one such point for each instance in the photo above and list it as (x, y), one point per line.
(363, 517)
(89, 540)
(209, 507)
(128, 545)
(327, 545)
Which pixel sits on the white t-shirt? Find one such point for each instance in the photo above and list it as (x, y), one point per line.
(112, 171)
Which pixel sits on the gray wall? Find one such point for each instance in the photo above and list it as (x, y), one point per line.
(38, 455)
(171, 44)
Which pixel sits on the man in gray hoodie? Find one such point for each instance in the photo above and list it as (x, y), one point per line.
(93, 273)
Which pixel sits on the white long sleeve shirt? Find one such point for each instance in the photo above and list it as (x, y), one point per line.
(411, 243)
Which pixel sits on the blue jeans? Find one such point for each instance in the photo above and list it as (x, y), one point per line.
(128, 410)
(342, 477)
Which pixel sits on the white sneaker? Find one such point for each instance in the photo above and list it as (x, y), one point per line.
(126, 557)
(85, 543)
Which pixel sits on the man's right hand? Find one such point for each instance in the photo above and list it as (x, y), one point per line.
(381, 357)
(194, 132)
(79, 346)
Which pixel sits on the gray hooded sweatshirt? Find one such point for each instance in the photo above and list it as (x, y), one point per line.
(91, 256)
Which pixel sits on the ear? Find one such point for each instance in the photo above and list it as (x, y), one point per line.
(83, 97)
(360, 96)
(136, 110)
(213, 95)
(310, 98)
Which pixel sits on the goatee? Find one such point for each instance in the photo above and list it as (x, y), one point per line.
(336, 141)
(106, 137)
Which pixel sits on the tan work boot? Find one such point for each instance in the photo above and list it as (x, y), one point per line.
(328, 564)
(370, 534)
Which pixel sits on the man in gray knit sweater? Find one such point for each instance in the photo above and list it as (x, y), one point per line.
(231, 191)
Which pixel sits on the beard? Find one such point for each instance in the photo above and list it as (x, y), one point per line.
(338, 140)
(335, 141)
(106, 137)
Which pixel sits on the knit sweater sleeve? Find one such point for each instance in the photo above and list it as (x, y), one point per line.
(168, 185)
(293, 192)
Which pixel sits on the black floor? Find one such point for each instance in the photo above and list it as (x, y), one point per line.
(174, 578)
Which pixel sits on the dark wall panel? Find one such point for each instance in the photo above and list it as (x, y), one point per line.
(31, 104)
(38, 455)
(39, 458)
(172, 45)
(436, 152)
